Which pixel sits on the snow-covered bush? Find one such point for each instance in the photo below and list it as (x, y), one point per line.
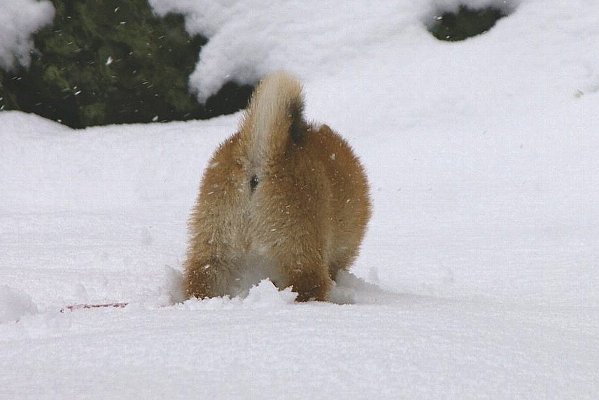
(18, 19)
(109, 62)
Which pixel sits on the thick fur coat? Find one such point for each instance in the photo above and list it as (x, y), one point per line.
(280, 199)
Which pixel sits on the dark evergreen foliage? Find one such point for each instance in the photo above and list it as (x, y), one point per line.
(465, 23)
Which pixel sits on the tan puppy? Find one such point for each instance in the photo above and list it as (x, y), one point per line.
(280, 199)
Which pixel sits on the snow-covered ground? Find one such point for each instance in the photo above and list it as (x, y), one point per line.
(478, 276)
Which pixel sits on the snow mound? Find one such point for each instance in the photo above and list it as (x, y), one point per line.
(18, 20)
(263, 295)
(248, 40)
(14, 304)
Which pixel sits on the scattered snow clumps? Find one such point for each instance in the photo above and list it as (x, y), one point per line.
(266, 295)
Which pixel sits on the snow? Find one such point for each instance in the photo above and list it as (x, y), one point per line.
(19, 19)
(246, 41)
(478, 276)
(14, 304)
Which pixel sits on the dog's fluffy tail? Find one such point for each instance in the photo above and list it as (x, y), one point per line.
(273, 118)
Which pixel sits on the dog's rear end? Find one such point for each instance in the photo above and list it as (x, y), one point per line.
(280, 199)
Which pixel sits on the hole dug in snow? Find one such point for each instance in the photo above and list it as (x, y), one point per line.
(348, 289)
(263, 295)
(464, 21)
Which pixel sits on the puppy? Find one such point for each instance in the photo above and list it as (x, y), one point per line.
(280, 199)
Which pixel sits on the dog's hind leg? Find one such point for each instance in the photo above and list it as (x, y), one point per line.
(305, 270)
(310, 283)
(208, 277)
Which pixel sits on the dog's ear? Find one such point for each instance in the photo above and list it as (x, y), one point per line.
(274, 118)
